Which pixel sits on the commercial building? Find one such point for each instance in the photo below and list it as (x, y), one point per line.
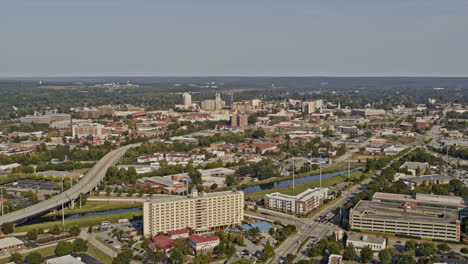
(45, 119)
(239, 120)
(359, 241)
(211, 105)
(368, 112)
(67, 259)
(187, 100)
(300, 204)
(416, 168)
(309, 107)
(415, 181)
(87, 129)
(203, 245)
(10, 243)
(202, 212)
(440, 202)
(417, 221)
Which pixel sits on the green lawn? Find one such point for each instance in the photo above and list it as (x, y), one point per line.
(50, 250)
(95, 207)
(82, 222)
(304, 186)
(98, 254)
(46, 251)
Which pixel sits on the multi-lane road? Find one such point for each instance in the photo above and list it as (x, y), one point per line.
(85, 185)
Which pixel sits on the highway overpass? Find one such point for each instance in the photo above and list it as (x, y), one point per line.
(85, 185)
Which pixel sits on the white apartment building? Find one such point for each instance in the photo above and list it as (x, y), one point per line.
(204, 212)
(300, 204)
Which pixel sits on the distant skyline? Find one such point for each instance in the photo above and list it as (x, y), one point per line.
(54, 38)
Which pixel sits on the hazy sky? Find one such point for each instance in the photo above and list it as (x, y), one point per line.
(236, 37)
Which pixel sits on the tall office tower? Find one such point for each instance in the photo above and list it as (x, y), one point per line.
(201, 212)
(186, 99)
(308, 107)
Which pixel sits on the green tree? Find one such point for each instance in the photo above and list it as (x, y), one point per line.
(80, 245)
(411, 245)
(443, 247)
(366, 254)
(32, 234)
(90, 229)
(349, 252)
(464, 250)
(75, 231)
(34, 258)
(55, 230)
(403, 259)
(230, 180)
(8, 227)
(426, 249)
(63, 248)
(195, 177)
(267, 253)
(176, 256)
(385, 256)
(314, 252)
(124, 257)
(16, 258)
(334, 247)
(155, 256)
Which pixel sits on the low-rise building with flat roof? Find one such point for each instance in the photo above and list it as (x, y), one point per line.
(67, 259)
(415, 181)
(417, 221)
(359, 241)
(10, 243)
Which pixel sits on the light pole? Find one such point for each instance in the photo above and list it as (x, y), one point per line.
(63, 213)
(320, 167)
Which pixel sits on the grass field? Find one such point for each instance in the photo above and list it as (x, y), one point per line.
(304, 186)
(82, 222)
(95, 207)
(50, 250)
(46, 251)
(99, 255)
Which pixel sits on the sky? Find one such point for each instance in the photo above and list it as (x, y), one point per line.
(233, 38)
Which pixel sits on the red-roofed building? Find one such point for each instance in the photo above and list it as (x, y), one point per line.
(163, 242)
(181, 233)
(203, 245)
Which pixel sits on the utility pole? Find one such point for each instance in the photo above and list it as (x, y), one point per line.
(349, 168)
(63, 213)
(294, 175)
(320, 166)
(1, 191)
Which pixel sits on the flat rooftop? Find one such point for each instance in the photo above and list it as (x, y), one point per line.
(422, 198)
(356, 237)
(203, 195)
(390, 211)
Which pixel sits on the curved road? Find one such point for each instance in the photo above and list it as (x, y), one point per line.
(85, 185)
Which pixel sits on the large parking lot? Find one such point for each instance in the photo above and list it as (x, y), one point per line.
(31, 184)
(120, 235)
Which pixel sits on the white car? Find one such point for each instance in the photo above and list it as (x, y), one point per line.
(117, 246)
